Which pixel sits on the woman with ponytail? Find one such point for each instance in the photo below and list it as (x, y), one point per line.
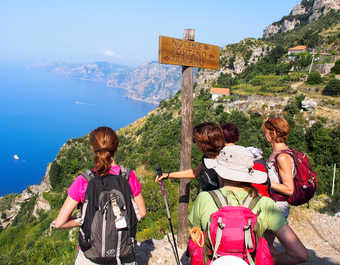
(280, 165)
(104, 144)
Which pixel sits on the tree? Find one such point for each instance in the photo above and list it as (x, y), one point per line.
(225, 80)
(3, 215)
(314, 78)
(336, 68)
(332, 88)
(302, 60)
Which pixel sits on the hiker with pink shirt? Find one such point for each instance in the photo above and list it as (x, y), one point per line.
(110, 197)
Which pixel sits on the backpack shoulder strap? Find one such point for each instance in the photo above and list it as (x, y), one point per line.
(218, 198)
(125, 172)
(88, 175)
(253, 202)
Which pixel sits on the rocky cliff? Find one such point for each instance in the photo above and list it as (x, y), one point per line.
(150, 82)
(31, 192)
(304, 13)
(234, 59)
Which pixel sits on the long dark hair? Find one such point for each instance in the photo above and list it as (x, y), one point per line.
(104, 143)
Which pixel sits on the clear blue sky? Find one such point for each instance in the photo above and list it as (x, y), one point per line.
(124, 32)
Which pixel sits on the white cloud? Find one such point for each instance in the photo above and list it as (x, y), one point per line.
(82, 103)
(110, 53)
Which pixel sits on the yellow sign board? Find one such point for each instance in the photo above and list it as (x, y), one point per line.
(188, 53)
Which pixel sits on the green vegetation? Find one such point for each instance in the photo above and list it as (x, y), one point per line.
(336, 68)
(314, 78)
(5, 201)
(332, 88)
(311, 34)
(155, 141)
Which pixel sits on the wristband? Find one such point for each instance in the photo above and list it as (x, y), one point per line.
(168, 176)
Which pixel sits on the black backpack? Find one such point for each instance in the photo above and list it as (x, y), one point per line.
(208, 178)
(108, 220)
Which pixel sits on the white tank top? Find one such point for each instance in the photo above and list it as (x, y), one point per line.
(273, 174)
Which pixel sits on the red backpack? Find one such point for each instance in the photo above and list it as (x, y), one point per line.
(262, 189)
(305, 181)
(230, 231)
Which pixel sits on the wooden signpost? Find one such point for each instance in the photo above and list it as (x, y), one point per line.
(189, 54)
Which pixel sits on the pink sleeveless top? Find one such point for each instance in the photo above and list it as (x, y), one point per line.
(78, 188)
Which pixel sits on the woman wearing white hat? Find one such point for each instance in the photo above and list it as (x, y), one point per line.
(234, 167)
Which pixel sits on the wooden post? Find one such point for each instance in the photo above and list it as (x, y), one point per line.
(186, 144)
(334, 170)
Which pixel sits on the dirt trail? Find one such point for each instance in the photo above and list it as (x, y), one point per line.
(320, 233)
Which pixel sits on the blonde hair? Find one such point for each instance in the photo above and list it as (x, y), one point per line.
(278, 128)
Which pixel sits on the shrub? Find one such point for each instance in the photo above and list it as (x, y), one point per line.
(332, 88)
(336, 68)
(225, 80)
(314, 78)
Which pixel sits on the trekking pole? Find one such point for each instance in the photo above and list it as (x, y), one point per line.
(159, 173)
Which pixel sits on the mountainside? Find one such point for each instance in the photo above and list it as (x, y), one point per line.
(234, 59)
(264, 79)
(304, 13)
(150, 82)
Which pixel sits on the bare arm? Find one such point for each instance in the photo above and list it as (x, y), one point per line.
(139, 200)
(184, 174)
(64, 218)
(295, 252)
(285, 167)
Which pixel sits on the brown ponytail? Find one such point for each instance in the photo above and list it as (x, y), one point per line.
(104, 143)
(278, 127)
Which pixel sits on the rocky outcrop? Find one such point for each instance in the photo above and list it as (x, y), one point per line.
(308, 104)
(159, 252)
(26, 195)
(263, 105)
(298, 10)
(234, 59)
(306, 12)
(324, 69)
(322, 7)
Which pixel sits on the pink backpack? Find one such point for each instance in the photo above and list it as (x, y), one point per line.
(230, 231)
(305, 181)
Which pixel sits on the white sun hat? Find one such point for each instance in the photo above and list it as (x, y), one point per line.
(236, 163)
(229, 260)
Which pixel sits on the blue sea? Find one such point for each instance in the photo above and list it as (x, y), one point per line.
(40, 111)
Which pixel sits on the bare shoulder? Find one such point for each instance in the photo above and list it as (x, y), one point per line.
(284, 158)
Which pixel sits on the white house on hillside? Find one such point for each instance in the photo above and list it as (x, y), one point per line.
(297, 49)
(217, 92)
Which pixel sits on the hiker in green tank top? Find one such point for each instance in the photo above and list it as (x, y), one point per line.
(233, 165)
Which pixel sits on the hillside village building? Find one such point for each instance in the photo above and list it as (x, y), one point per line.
(217, 92)
(297, 49)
